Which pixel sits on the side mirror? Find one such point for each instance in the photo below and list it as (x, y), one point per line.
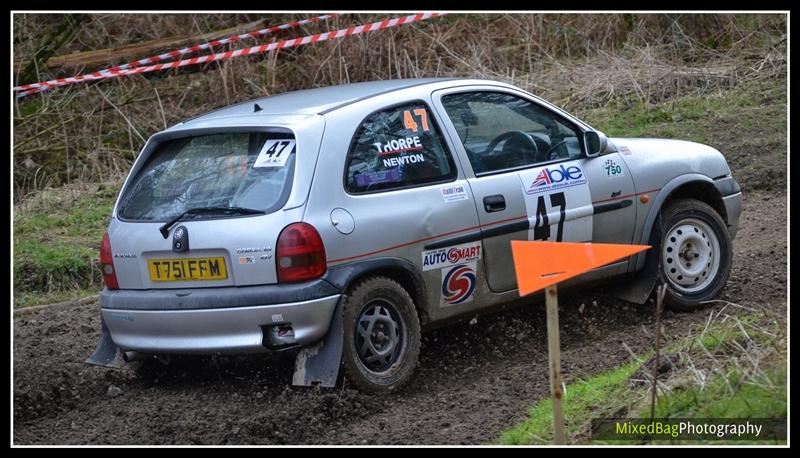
(596, 143)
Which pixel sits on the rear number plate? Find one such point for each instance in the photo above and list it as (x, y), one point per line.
(187, 269)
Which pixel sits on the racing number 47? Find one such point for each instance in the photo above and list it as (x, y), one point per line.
(541, 231)
(411, 124)
(271, 152)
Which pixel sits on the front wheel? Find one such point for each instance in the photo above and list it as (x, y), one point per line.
(381, 335)
(695, 253)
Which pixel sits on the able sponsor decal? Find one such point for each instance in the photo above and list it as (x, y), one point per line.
(458, 283)
(558, 202)
(454, 193)
(556, 177)
(446, 257)
(625, 150)
(275, 153)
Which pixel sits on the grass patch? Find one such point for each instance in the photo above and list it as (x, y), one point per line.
(733, 396)
(734, 368)
(677, 118)
(747, 123)
(25, 299)
(57, 234)
(583, 398)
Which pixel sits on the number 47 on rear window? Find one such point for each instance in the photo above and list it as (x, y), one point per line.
(275, 153)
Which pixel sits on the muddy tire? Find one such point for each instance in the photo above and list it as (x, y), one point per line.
(695, 253)
(381, 335)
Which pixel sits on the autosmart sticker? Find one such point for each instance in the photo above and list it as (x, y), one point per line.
(558, 202)
(625, 150)
(445, 257)
(612, 168)
(458, 283)
(275, 153)
(454, 193)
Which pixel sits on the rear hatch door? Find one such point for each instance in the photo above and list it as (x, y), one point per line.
(230, 189)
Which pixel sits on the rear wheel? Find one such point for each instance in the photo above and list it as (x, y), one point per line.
(381, 335)
(695, 253)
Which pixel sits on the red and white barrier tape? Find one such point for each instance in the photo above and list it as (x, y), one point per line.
(290, 43)
(232, 39)
(44, 85)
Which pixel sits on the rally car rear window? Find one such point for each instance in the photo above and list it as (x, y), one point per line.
(239, 169)
(398, 147)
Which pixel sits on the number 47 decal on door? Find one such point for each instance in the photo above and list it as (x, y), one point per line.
(541, 231)
(558, 202)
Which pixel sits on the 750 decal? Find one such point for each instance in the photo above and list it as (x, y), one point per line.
(612, 168)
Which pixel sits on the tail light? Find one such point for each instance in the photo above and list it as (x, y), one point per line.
(107, 264)
(300, 254)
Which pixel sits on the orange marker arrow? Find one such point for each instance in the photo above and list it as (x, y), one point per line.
(541, 264)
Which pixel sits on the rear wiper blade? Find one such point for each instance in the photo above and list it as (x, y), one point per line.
(200, 210)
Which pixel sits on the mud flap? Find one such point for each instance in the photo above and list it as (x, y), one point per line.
(639, 288)
(319, 364)
(106, 353)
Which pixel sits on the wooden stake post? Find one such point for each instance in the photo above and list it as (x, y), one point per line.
(554, 352)
(564, 260)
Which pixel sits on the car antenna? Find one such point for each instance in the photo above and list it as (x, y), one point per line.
(257, 108)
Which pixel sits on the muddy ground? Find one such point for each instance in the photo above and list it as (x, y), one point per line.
(473, 381)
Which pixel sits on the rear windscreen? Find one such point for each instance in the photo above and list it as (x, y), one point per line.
(241, 169)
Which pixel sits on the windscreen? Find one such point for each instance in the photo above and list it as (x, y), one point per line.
(239, 169)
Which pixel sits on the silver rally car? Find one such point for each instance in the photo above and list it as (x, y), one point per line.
(340, 221)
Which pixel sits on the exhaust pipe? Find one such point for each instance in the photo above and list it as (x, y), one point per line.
(131, 356)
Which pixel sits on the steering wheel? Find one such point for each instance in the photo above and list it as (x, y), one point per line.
(548, 155)
(514, 134)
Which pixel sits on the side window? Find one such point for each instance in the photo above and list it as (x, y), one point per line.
(501, 131)
(398, 147)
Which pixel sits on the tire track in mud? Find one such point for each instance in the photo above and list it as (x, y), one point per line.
(472, 382)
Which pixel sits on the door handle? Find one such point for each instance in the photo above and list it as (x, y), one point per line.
(494, 203)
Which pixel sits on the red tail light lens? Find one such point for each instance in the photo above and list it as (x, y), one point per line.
(300, 254)
(107, 264)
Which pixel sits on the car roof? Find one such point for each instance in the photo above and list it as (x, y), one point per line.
(314, 101)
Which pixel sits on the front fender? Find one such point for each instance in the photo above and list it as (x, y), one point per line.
(638, 260)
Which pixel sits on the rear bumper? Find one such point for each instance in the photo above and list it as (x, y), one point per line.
(185, 329)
